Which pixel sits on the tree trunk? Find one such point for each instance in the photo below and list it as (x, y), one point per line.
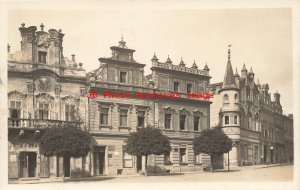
(228, 160)
(146, 172)
(211, 163)
(64, 169)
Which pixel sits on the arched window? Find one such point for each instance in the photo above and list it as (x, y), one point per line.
(236, 98)
(226, 100)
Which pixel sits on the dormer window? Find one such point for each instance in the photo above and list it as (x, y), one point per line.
(42, 57)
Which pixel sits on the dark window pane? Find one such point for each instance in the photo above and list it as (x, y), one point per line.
(168, 121)
(122, 77)
(196, 123)
(176, 86)
(226, 120)
(182, 122)
(189, 88)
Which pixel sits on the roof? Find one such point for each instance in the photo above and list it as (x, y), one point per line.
(229, 80)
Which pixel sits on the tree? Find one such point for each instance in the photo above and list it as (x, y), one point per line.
(147, 141)
(65, 142)
(212, 141)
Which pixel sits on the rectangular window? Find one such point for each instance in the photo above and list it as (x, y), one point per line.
(189, 88)
(141, 118)
(168, 121)
(198, 158)
(15, 109)
(42, 56)
(69, 112)
(235, 120)
(226, 120)
(43, 111)
(127, 160)
(182, 122)
(104, 116)
(123, 77)
(196, 123)
(167, 158)
(123, 118)
(183, 155)
(176, 86)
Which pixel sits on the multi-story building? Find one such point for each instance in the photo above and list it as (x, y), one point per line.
(44, 90)
(245, 112)
(119, 110)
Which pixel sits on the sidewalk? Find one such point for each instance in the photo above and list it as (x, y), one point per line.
(104, 177)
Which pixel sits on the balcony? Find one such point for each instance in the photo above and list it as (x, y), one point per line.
(40, 123)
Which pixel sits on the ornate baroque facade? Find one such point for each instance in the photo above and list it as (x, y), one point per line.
(44, 90)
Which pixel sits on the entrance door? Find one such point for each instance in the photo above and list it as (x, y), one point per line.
(67, 166)
(99, 160)
(271, 156)
(31, 164)
(63, 166)
(27, 164)
(265, 153)
(139, 163)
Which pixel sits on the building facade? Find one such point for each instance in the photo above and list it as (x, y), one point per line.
(44, 90)
(124, 105)
(245, 112)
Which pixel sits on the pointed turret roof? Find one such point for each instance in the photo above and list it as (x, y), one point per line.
(194, 66)
(251, 71)
(244, 67)
(168, 60)
(206, 67)
(154, 58)
(229, 81)
(181, 63)
(236, 72)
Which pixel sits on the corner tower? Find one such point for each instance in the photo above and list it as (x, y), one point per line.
(229, 112)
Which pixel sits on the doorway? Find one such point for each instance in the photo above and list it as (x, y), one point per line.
(139, 163)
(99, 160)
(28, 164)
(265, 153)
(272, 156)
(63, 166)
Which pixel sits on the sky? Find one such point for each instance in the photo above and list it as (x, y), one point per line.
(260, 38)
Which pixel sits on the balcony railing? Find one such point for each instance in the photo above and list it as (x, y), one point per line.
(40, 123)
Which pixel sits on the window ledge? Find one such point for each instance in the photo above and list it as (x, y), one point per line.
(183, 163)
(124, 127)
(198, 164)
(105, 126)
(168, 163)
(184, 130)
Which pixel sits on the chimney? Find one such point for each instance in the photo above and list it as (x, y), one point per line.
(8, 48)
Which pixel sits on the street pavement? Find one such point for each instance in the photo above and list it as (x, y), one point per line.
(277, 173)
